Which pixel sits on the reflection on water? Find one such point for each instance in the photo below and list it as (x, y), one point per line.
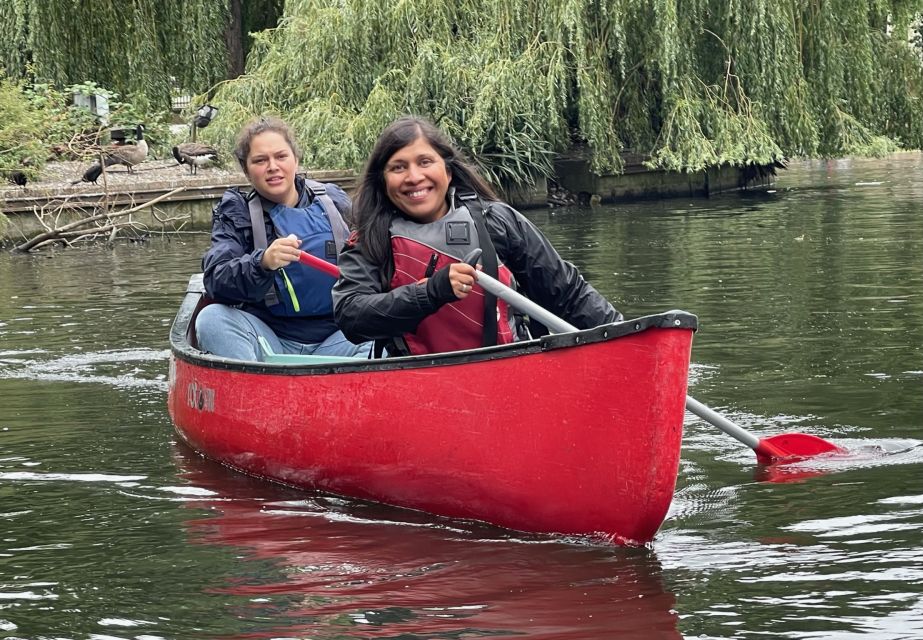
(810, 301)
(368, 570)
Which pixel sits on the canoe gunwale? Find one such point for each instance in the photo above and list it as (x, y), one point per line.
(195, 293)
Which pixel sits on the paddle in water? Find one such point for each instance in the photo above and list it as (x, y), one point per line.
(784, 447)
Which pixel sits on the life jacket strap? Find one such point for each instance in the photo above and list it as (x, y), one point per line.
(489, 263)
(254, 204)
(337, 225)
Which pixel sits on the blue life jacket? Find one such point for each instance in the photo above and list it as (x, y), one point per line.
(300, 290)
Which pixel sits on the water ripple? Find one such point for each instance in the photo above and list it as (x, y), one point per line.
(103, 367)
(67, 477)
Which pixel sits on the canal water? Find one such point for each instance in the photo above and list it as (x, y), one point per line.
(810, 303)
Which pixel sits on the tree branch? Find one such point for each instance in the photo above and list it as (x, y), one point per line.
(67, 229)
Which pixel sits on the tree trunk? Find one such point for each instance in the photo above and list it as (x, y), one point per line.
(234, 36)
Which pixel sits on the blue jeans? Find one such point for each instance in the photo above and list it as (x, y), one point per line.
(231, 333)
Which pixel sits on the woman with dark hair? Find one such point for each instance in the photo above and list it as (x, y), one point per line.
(252, 267)
(420, 209)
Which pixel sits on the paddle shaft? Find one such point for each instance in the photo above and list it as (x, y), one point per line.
(558, 325)
(321, 265)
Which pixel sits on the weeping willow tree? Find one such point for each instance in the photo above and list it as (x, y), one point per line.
(135, 47)
(689, 84)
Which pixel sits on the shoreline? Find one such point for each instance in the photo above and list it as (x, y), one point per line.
(59, 198)
(61, 182)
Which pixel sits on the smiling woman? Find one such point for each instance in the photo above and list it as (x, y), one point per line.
(252, 266)
(416, 180)
(420, 209)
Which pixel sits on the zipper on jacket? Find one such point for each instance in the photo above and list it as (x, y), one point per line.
(291, 291)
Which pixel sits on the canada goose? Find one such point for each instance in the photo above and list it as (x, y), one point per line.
(127, 154)
(195, 154)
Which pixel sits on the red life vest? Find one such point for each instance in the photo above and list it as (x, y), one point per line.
(457, 325)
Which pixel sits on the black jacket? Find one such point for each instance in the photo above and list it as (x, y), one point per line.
(233, 274)
(365, 309)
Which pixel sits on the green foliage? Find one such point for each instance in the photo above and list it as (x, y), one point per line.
(189, 38)
(63, 123)
(14, 20)
(340, 71)
(20, 122)
(687, 83)
(138, 47)
(690, 84)
(258, 15)
(41, 122)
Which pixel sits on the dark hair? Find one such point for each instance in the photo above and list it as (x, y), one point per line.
(372, 208)
(255, 128)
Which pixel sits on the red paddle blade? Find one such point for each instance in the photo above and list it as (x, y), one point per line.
(787, 446)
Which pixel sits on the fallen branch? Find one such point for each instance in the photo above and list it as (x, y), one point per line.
(67, 230)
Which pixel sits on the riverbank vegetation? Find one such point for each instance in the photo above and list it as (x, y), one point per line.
(40, 123)
(687, 85)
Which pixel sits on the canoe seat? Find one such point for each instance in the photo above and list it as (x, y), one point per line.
(286, 358)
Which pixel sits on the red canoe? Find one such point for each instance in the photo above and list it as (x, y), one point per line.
(574, 433)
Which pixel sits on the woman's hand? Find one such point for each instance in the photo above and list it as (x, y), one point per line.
(281, 253)
(462, 278)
